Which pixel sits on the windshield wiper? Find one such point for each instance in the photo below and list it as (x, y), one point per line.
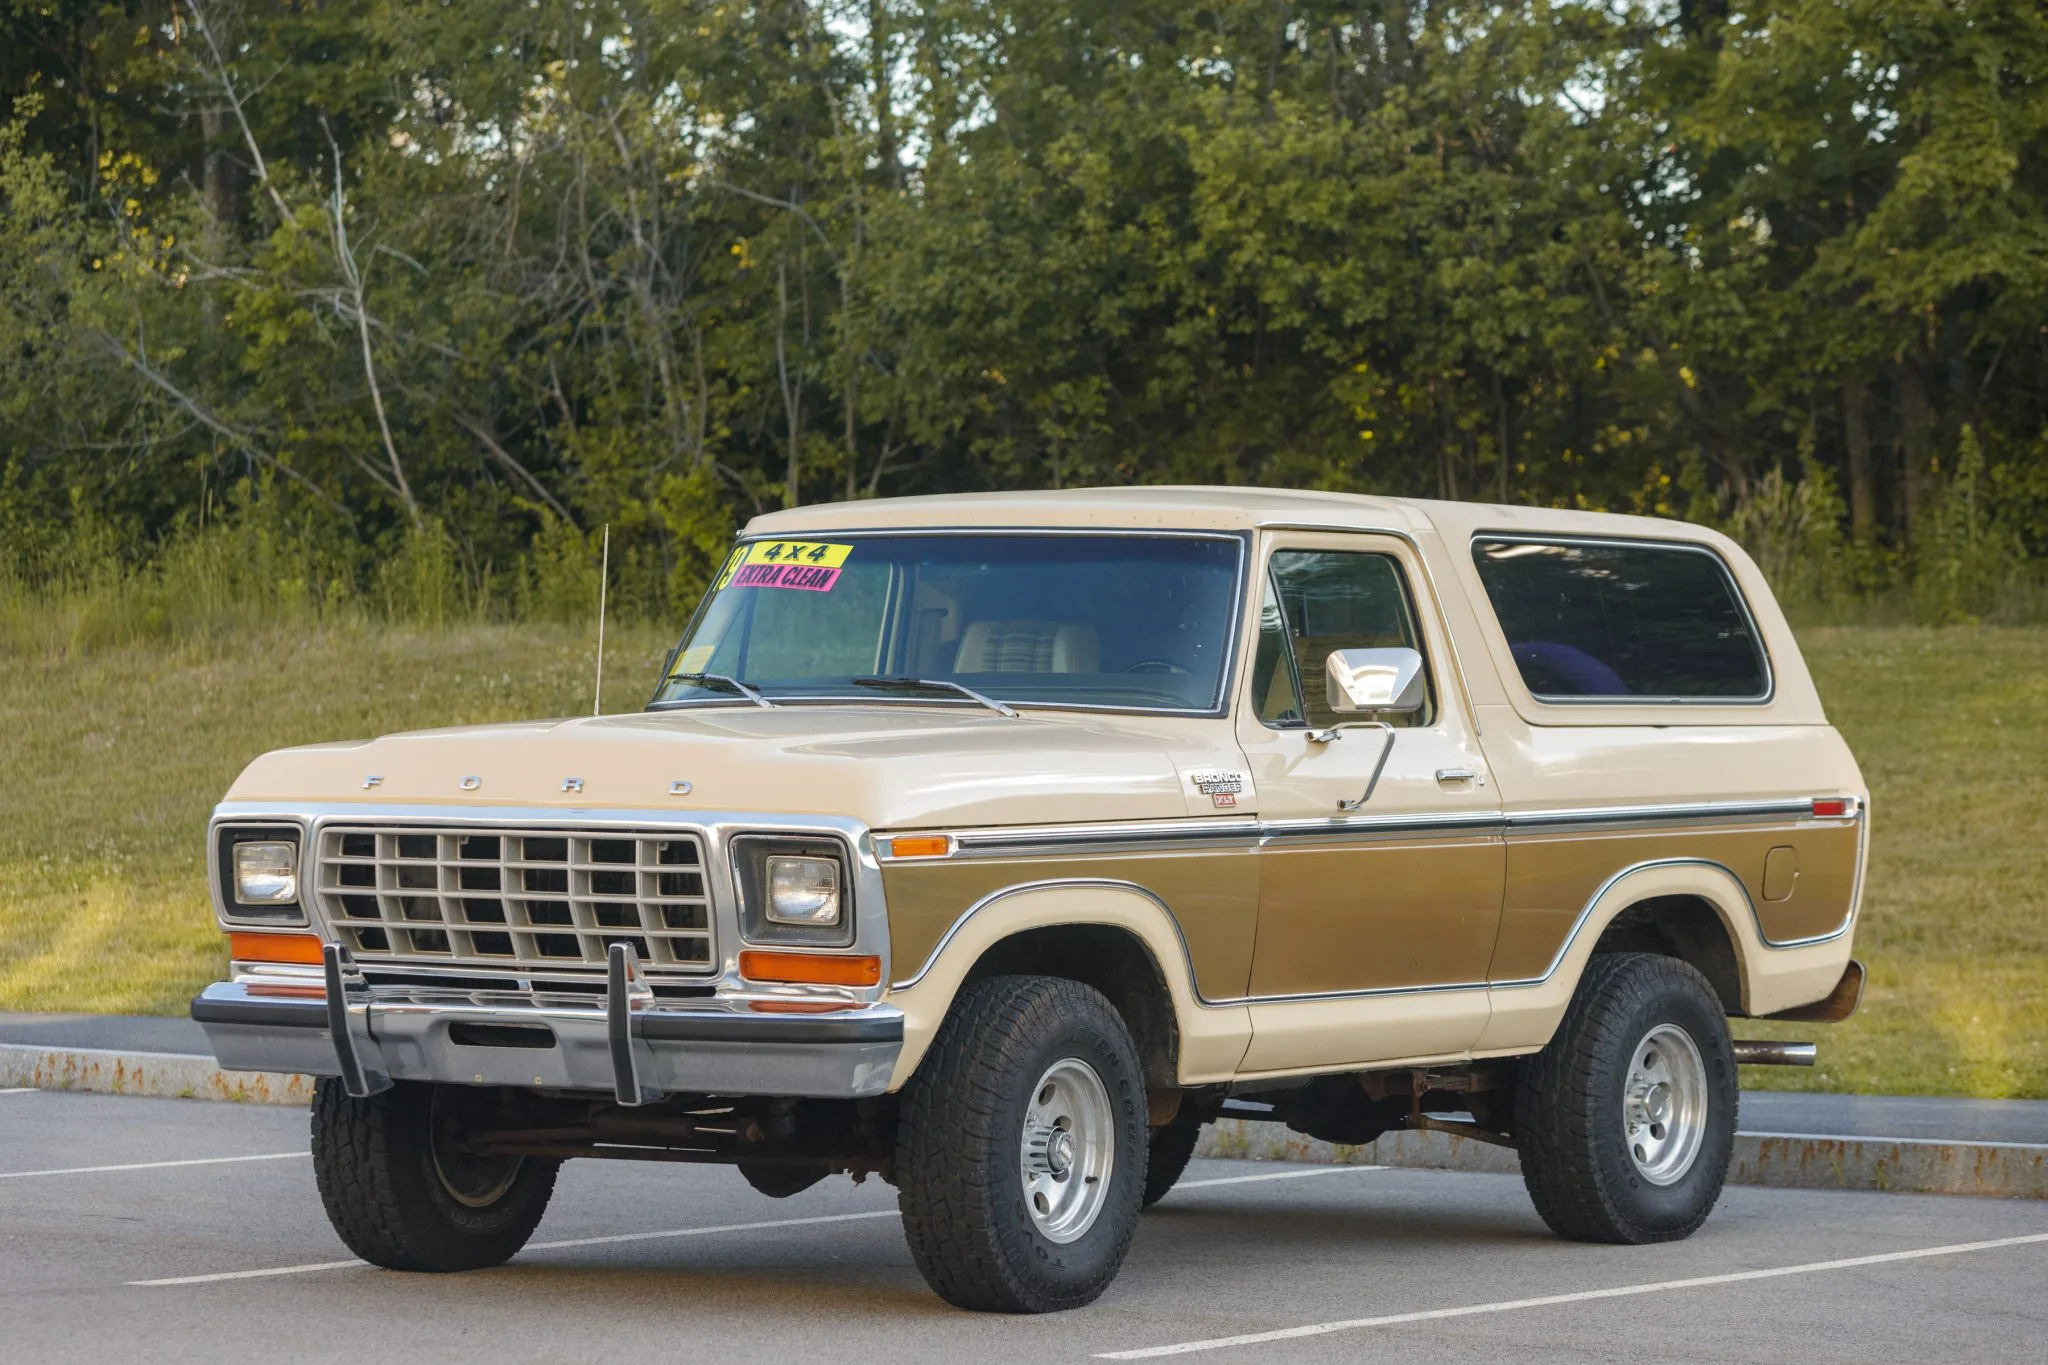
(744, 689)
(934, 684)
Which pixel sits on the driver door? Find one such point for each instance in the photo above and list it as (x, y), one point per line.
(1375, 925)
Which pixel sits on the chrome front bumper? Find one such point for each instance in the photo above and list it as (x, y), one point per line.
(631, 1044)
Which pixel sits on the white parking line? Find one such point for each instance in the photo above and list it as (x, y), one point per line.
(1296, 1174)
(157, 1165)
(1510, 1305)
(613, 1238)
(19, 1090)
(534, 1246)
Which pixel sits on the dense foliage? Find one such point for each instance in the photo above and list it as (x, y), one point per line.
(408, 291)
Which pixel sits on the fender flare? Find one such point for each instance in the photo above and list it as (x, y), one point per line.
(1212, 1039)
(1526, 1012)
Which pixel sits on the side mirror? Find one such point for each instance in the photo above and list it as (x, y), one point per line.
(1375, 681)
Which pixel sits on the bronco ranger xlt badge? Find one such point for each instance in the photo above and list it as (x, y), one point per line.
(1047, 828)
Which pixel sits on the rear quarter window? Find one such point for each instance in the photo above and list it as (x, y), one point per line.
(1622, 621)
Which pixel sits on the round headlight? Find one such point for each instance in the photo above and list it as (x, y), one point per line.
(266, 873)
(803, 890)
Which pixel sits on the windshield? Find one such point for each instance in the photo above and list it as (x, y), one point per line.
(1121, 621)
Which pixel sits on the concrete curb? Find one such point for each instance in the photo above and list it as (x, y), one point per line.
(156, 1075)
(1780, 1160)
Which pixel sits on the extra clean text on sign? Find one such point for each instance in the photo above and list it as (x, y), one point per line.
(807, 565)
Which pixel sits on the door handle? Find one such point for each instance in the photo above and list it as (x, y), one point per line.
(1446, 776)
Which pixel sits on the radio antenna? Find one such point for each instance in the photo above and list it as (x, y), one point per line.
(604, 576)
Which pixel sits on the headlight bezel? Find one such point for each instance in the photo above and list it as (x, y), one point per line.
(750, 855)
(270, 913)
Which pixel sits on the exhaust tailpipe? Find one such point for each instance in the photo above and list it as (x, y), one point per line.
(1760, 1053)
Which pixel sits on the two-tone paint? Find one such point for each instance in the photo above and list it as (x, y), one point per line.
(1448, 919)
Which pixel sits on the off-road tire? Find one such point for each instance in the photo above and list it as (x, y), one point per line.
(1173, 1146)
(960, 1133)
(373, 1160)
(1569, 1105)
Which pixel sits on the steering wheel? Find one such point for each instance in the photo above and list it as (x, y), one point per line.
(1156, 666)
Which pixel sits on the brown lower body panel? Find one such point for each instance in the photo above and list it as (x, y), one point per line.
(1551, 877)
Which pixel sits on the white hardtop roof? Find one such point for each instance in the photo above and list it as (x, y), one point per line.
(1196, 508)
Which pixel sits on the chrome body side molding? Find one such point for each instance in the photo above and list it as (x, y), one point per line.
(1243, 831)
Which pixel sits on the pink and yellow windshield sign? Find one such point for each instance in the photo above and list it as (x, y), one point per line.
(807, 565)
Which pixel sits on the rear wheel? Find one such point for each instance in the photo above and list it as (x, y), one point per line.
(1021, 1148)
(405, 1187)
(1626, 1121)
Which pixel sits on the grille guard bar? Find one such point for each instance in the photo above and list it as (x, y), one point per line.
(348, 1021)
(632, 1047)
(624, 990)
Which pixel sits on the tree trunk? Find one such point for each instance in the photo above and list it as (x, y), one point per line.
(220, 178)
(1856, 438)
(789, 385)
(884, 94)
(1501, 426)
(1916, 443)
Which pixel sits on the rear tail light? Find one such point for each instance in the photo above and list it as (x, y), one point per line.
(1833, 806)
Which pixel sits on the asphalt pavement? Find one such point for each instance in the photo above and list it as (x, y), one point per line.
(176, 1230)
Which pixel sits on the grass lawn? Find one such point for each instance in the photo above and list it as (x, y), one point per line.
(112, 763)
(1951, 729)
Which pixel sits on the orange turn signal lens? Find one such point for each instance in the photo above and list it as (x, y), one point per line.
(299, 949)
(920, 846)
(811, 969)
(287, 990)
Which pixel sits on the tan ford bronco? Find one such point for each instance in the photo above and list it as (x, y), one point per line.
(995, 844)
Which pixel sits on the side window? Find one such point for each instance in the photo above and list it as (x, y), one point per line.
(1317, 601)
(1641, 622)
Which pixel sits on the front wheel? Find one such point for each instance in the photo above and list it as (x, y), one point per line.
(1021, 1147)
(1626, 1121)
(404, 1186)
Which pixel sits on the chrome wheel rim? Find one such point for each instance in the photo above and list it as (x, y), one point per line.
(1664, 1104)
(469, 1178)
(1069, 1150)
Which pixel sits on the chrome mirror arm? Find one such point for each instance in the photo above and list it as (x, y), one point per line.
(1378, 767)
(1336, 732)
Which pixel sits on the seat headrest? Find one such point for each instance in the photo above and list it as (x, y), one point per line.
(1028, 647)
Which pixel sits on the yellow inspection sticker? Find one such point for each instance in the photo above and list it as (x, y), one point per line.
(810, 565)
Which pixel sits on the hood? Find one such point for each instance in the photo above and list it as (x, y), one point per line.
(891, 765)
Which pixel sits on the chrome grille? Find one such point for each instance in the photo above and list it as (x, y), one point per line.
(517, 898)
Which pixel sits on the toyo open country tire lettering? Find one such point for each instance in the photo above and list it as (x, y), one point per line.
(401, 1192)
(1021, 1147)
(1626, 1121)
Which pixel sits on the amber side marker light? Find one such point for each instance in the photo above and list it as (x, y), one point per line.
(1830, 805)
(301, 950)
(920, 846)
(811, 969)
